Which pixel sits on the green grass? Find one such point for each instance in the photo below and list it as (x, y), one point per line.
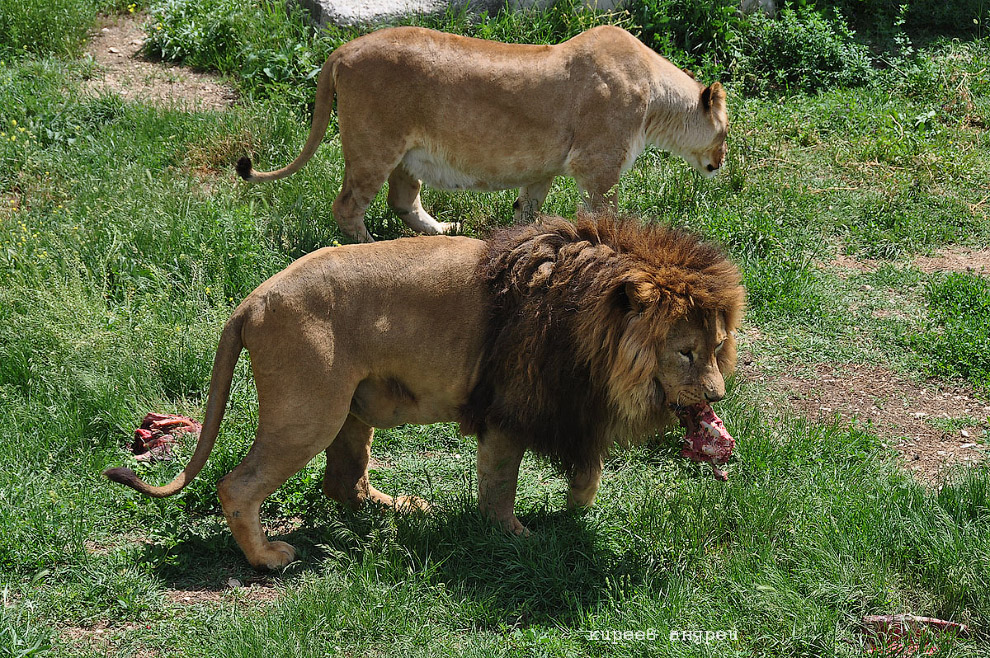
(126, 240)
(957, 340)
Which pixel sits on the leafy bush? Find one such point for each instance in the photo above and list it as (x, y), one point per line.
(275, 52)
(965, 18)
(957, 342)
(801, 51)
(690, 32)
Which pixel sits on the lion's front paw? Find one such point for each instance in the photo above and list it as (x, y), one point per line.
(513, 526)
(409, 504)
(277, 555)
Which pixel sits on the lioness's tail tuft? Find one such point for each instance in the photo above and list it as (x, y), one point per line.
(244, 168)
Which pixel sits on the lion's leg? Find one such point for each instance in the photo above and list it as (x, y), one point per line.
(273, 459)
(531, 198)
(584, 486)
(403, 198)
(346, 477)
(498, 475)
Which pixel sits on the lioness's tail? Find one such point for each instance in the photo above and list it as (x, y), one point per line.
(228, 351)
(321, 119)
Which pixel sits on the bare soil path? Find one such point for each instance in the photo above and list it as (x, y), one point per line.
(116, 47)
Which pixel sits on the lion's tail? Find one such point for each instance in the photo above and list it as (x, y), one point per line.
(228, 351)
(321, 119)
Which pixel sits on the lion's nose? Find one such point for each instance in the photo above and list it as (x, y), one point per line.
(714, 396)
(711, 167)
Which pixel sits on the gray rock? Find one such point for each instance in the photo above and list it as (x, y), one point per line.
(365, 12)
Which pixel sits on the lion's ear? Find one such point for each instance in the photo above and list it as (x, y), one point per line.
(690, 73)
(638, 295)
(713, 97)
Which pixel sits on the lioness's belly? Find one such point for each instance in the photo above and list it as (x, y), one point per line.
(436, 171)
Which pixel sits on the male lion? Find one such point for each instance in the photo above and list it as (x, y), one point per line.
(556, 337)
(418, 105)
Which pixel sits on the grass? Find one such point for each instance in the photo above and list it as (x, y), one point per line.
(125, 242)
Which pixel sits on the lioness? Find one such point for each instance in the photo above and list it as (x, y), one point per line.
(554, 337)
(418, 105)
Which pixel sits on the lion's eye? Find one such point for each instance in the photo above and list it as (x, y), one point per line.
(689, 355)
(719, 346)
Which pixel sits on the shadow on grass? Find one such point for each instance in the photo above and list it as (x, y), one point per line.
(553, 576)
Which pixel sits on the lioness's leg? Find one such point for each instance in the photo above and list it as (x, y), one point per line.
(403, 198)
(531, 198)
(598, 180)
(356, 194)
(584, 486)
(346, 477)
(498, 475)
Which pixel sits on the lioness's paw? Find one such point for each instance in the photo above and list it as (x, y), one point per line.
(449, 228)
(277, 555)
(408, 504)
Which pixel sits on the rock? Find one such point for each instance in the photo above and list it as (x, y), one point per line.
(365, 12)
(233, 583)
(768, 7)
(113, 50)
(964, 434)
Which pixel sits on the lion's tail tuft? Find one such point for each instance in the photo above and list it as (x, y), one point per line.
(228, 351)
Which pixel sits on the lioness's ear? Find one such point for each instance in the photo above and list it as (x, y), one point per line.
(713, 97)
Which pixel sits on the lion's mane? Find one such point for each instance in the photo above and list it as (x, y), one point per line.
(558, 355)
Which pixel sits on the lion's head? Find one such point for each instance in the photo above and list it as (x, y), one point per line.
(600, 329)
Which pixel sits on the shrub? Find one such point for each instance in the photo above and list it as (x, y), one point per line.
(690, 32)
(964, 18)
(53, 27)
(801, 51)
(278, 53)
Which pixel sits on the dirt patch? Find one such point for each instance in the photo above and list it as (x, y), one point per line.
(116, 46)
(848, 263)
(931, 426)
(103, 636)
(956, 259)
(260, 591)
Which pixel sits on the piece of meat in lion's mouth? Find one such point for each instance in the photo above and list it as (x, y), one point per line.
(707, 439)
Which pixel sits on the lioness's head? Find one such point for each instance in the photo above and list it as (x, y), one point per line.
(699, 139)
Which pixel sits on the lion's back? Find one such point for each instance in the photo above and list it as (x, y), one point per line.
(394, 293)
